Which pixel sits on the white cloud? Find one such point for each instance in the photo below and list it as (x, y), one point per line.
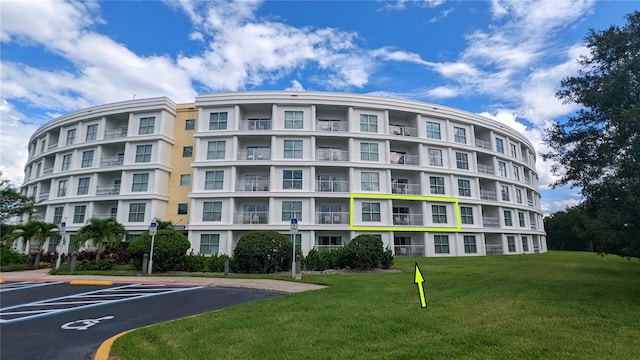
(295, 86)
(196, 36)
(442, 92)
(13, 147)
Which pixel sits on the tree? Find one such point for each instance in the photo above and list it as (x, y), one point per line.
(598, 148)
(37, 233)
(12, 202)
(104, 232)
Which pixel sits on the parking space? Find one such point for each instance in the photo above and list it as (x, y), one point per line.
(61, 321)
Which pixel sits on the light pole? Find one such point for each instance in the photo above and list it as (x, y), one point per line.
(153, 229)
(63, 228)
(294, 230)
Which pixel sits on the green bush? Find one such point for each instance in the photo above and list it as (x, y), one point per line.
(365, 252)
(387, 259)
(263, 251)
(170, 250)
(325, 259)
(9, 257)
(17, 267)
(215, 263)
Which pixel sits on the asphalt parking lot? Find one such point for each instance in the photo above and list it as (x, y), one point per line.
(55, 320)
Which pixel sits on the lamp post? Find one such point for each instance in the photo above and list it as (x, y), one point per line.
(294, 230)
(63, 228)
(153, 229)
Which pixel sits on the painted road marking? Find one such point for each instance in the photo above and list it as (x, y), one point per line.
(37, 309)
(85, 323)
(11, 286)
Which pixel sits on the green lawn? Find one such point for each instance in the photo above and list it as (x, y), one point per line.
(559, 305)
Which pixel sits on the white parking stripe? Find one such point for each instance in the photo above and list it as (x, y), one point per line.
(24, 285)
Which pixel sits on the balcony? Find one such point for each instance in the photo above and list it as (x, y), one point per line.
(403, 130)
(108, 190)
(493, 249)
(534, 227)
(527, 180)
(115, 133)
(327, 247)
(251, 218)
(47, 171)
(43, 196)
(407, 219)
(332, 186)
(488, 195)
(483, 144)
(332, 125)
(486, 169)
(112, 161)
(490, 222)
(332, 218)
(396, 158)
(255, 154)
(529, 202)
(409, 250)
(332, 155)
(252, 185)
(410, 189)
(105, 216)
(258, 124)
(53, 145)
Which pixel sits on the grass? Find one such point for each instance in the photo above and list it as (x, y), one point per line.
(559, 305)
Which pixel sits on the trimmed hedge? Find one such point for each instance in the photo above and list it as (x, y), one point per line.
(170, 248)
(263, 251)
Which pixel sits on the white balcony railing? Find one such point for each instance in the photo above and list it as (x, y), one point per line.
(53, 145)
(255, 154)
(333, 217)
(115, 133)
(43, 196)
(327, 247)
(396, 158)
(483, 144)
(261, 217)
(258, 124)
(105, 216)
(490, 222)
(47, 171)
(407, 219)
(252, 185)
(409, 250)
(494, 249)
(488, 195)
(410, 189)
(331, 125)
(530, 202)
(403, 130)
(486, 169)
(332, 155)
(112, 161)
(108, 190)
(332, 186)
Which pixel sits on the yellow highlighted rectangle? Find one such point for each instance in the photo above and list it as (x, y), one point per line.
(403, 197)
(91, 282)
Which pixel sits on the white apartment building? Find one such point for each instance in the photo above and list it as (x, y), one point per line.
(428, 179)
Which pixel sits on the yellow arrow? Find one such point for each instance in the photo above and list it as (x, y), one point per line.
(418, 279)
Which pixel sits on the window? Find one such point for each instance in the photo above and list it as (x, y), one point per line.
(460, 135)
(514, 151)
(521, 219)
(508, 221)
(187, 151)
(136, 212)
(433, 130)
(66, 162)
(369, 151)
(464, 187)
(140, 182)
(435, 157)
(505, 192)
(293, 120)
(466, 214)
(439, 214)
(190, 124)
(43, 145)
(213, 180)
(436, 184)
(143, 153)
(441, 244)
(368, 123)
(38, 167)
(502, 168)
(462, 161)
(62, 188)
(78, 214)
(71, 136)
(470, 244)
(146, 125)
(209, 244)
(57, 214)
(519, 196)
(185, 179)
(511, 243)
(83, 185)
(53, 244)
(516, 172)
(87, 158)
(216, 150)
(218, 121)
(291, 209)
(370, 181)
(183, 208)
(329, 241)
(212, 211)
(293, 149)
(92, 132)
(499, 145)
(370, 211)
(525, 244)
(292, 179)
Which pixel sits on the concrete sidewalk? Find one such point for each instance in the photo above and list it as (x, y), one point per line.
(281, 286)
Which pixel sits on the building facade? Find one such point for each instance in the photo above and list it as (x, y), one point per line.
(429, 180)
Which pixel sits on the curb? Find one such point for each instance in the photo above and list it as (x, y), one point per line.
(105, 348)
(1, 281)
(91, 282)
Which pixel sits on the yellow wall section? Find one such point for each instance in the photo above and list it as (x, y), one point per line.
(180, 166)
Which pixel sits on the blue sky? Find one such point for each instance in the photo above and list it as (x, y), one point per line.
(501, 59)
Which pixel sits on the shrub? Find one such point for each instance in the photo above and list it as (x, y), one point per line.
(365, 252)
(9, 257)
(312, 261)
(193, 263)
(170, 250)
(387, 259)
(263, 251)
(215, 263)
(325, 259)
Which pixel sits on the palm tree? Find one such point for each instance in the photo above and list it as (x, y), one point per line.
(104, 233)
(36, 232)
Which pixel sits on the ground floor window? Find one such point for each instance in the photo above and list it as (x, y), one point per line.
(441, 243)
(209, 244)
(470, 246)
